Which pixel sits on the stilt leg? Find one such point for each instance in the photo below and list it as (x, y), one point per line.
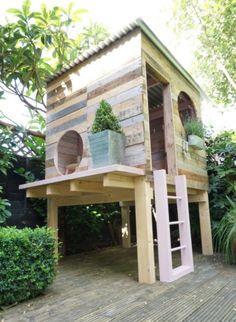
(205, 225)
(146, 267)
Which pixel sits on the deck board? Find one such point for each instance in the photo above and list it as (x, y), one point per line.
(102, 286)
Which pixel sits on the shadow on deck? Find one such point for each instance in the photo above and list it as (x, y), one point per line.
(102, 286)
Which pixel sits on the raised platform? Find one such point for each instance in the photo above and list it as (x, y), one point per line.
(112, 183)
(106, 184)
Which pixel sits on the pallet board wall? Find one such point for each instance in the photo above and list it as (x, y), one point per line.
(191, 163)
(73, 98)
(118, 75)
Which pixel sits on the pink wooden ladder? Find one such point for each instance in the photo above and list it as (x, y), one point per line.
(166, 270)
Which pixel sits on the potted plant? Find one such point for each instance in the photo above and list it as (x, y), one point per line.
(195, 131)
(107, 141)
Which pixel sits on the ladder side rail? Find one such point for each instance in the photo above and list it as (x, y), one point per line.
(183, 215)
(163, 227)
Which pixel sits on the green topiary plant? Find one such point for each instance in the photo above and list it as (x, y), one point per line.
(105, 119)
(27, 263)
(194, 126)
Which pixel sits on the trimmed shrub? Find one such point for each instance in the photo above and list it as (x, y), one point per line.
(27, 263)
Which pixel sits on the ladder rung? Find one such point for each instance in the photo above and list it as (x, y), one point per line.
(176, 222)
(174, 197)
(178, 248)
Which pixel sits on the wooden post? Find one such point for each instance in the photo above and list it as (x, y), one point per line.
(125, 228)
(169, 130)
(146, 266)
(52, 218)
(205, 225)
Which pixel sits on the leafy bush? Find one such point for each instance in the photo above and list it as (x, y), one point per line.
(27, 263)
(91, 226)
(221, 163)
(105, 119)
(221, 159)
(4, 205)
(225, 234)
(194, 126)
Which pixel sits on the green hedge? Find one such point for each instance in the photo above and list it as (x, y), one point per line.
(27, 263)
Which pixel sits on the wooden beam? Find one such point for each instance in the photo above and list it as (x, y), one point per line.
(39, 192)
(146, 267)
(205, 225)
(125, 226)
(57, 190)
(118, 181)
(52, 218)
(169, 131)
(86, 186)
(200, 197)
(97, 198)
(123, 170)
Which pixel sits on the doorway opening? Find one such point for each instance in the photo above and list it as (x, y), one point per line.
(156, 118)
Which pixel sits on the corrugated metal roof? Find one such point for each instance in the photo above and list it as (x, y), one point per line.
(138, 23)
(95, 49)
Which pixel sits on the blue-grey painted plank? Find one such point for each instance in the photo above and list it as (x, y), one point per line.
(66, 111)
(67, 125)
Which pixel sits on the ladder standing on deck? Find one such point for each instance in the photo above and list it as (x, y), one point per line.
(167, 273)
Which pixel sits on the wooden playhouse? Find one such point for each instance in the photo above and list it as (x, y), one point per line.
(151, 94)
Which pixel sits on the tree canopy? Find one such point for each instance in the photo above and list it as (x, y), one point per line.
(35, 45)
(213, 23)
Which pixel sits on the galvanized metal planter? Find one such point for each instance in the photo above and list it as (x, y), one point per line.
(196, 142)
(107, 147)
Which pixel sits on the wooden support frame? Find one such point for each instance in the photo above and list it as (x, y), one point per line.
(57, 190)
(52, 218)
(39, 192)
(118, 181)
(205, 225)
(169, 131)
(143, 196)
(86, 186)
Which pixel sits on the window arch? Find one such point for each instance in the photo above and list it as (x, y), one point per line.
(186, 107)
(69, 152)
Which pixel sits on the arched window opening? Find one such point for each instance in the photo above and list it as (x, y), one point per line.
(69, 152)
(186, 107)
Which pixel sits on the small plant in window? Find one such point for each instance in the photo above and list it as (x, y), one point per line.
(105, 119)
(194, 126)
(107, 142)
(195, 132)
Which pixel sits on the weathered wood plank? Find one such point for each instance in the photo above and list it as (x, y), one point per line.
(169, 131)
(62, 113)
(101, 90)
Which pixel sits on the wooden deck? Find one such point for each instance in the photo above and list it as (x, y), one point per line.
(102, 286)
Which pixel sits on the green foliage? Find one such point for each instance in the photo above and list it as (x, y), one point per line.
(35, 45)
(194, 126)
(7, 146)
(27, 263)
(221, 165)
(211, 23)
(105, 119)
(225, 233)
(4, 205)
(86, 226)
(221, 158)
(92, 35)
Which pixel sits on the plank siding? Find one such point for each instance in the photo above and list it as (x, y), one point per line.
(74, 97)
(118, 75)
(192, 163)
